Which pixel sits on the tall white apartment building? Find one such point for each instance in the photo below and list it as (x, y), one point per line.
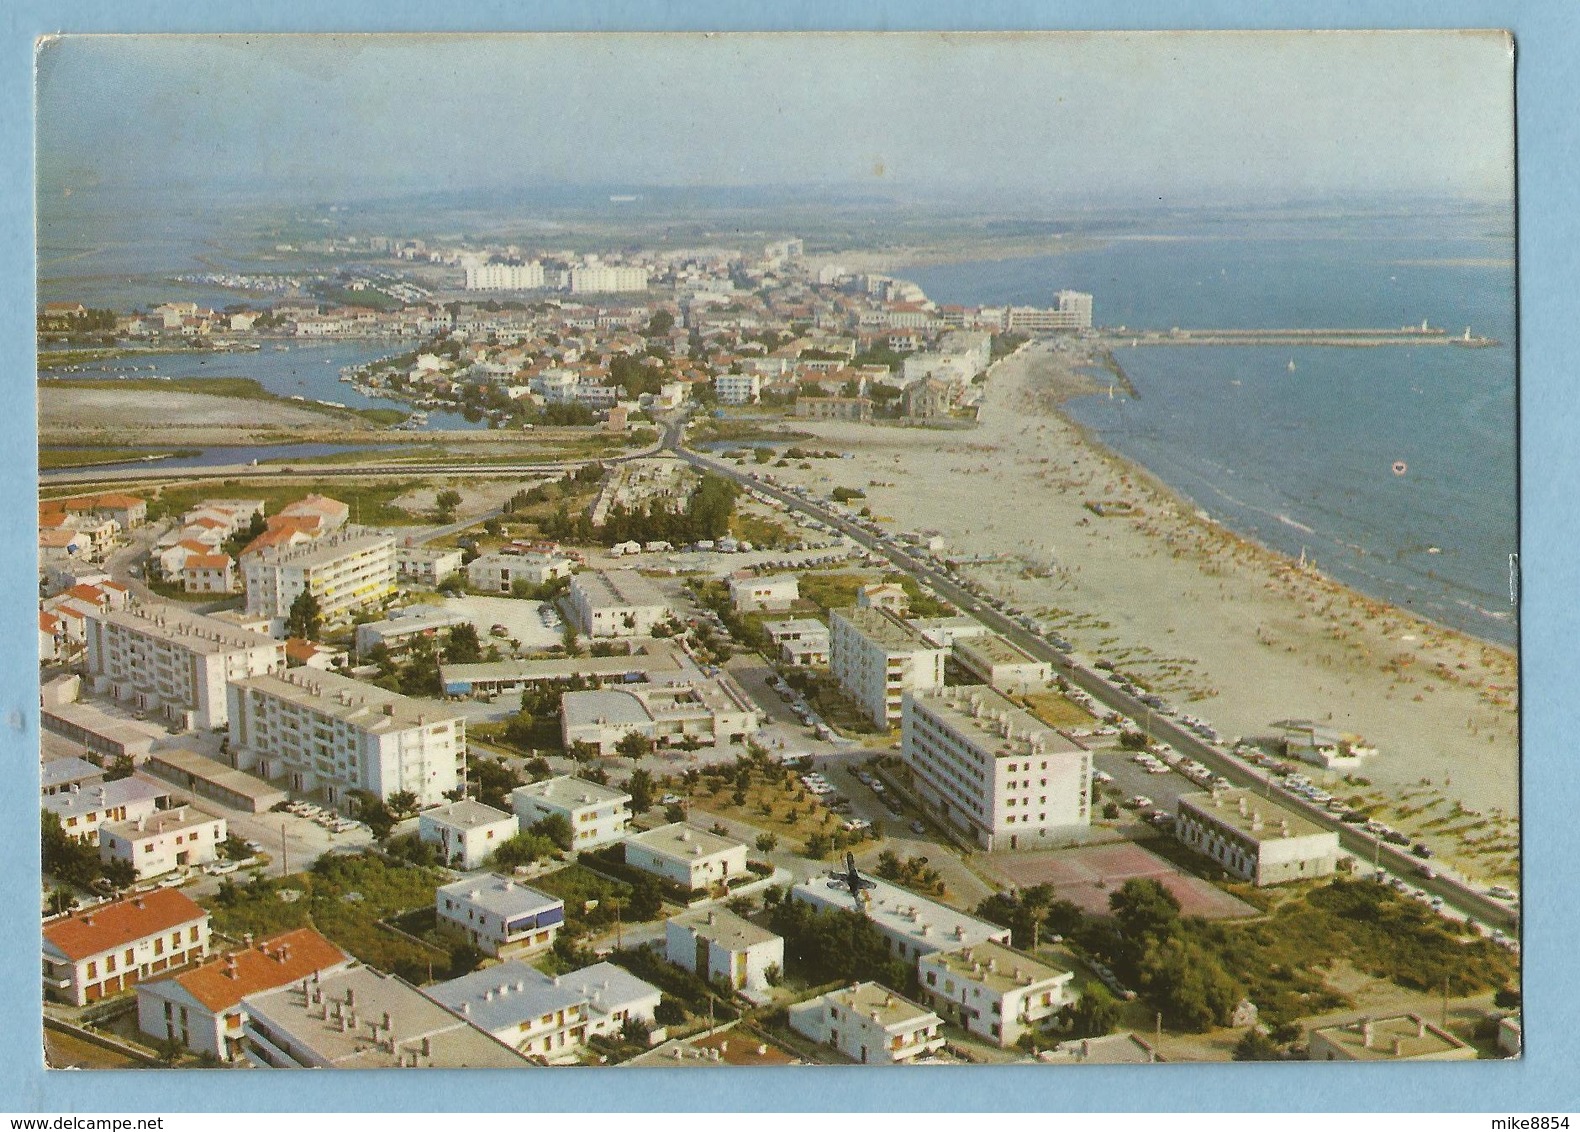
(504, 276)
(877, 657)
(602, 277)
(346, 570)
(616, 603)
(328, 734)
(161, 658)
(738, 388)
(994, 771)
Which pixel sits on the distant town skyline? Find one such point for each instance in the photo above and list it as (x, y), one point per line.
(1175, 117)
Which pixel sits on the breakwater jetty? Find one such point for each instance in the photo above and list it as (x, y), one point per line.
(1422, 335)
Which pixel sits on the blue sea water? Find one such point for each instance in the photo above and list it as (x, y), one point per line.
(1303, 460)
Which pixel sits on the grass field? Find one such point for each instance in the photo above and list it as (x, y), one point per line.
(369, 502)
(89, 457)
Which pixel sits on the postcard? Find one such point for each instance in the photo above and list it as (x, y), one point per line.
(777, 550)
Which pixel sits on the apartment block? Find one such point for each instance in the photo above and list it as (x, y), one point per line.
(549, 1017)
(346, 570)
(164, 659)
(994, 991)
(1254, 837)
(598, 814)
(752, 593)
(102, 951)
(870, 1024)
(499, 916)
(616, 603)
(499, 572)
(691, 858)
(467, 832)
(998, 661)
(877, 658)
(359, 1018)
(181, 838)
(205, 1008)
(324, 733)
(994, 771)
(912, 925)
(718, 944)
(427, 564)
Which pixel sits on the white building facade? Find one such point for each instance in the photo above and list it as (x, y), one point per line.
(877, 658)
(598, 815)
(327, 734)
(499, 916)
(160, 658)
(616, 603)
(718, 944)
(870, 1024)
(691, 858)
(466, 832)
(183, 838)
(993, 770)
(993, 991)
(345, 571)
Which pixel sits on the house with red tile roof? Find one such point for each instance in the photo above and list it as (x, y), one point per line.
(209, 574)
(205, 1008)
(101, 951)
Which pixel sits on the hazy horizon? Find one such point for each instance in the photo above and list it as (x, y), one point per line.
(991, 121)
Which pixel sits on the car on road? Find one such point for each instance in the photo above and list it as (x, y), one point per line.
(918, 827)
(221, 868)
(670, 800)
(174, 880)
(1420, 850)
(498, 630)
(1499, 892)
(1424, 871)
(1139, 802)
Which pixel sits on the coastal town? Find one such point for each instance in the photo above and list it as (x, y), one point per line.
(774, 678)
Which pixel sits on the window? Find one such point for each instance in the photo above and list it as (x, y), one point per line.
(109, 963)
(192, 935)
(93, 969)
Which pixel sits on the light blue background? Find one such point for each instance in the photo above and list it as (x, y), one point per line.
(1544, 1081)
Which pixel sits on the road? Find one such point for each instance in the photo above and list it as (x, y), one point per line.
(1459, 895)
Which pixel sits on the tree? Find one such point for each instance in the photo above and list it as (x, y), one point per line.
(370, 809)
(668, 1012)
(234, 848)
(646, 901)
(767, 842)
(1188, 986)
(571, 639)
(403, 804)
(447, 501)
(640, 787)
(462, 646)
(633, 745)
(452, 584)
(674, 812)
(1506, 998)
(817, 846)
(635, 1031)
(1144, 907)
(1094, 1014)
(557, 828)
(1255, 1046)
(523, 849)
(305, 619)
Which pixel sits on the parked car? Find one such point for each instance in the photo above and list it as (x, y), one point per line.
(917, 826)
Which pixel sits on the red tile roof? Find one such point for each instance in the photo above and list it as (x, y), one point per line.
(207, 562)
(108, 926)
(224, 982)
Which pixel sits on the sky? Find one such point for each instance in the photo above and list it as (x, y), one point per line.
(1172, 116)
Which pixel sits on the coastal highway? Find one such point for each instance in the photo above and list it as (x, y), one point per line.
(1457, 894)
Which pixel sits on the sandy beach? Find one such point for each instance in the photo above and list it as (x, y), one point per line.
(1222, 627)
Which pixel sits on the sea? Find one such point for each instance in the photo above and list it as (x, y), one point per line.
(1392, 469)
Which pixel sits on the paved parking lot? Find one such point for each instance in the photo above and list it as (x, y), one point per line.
(518, 615)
